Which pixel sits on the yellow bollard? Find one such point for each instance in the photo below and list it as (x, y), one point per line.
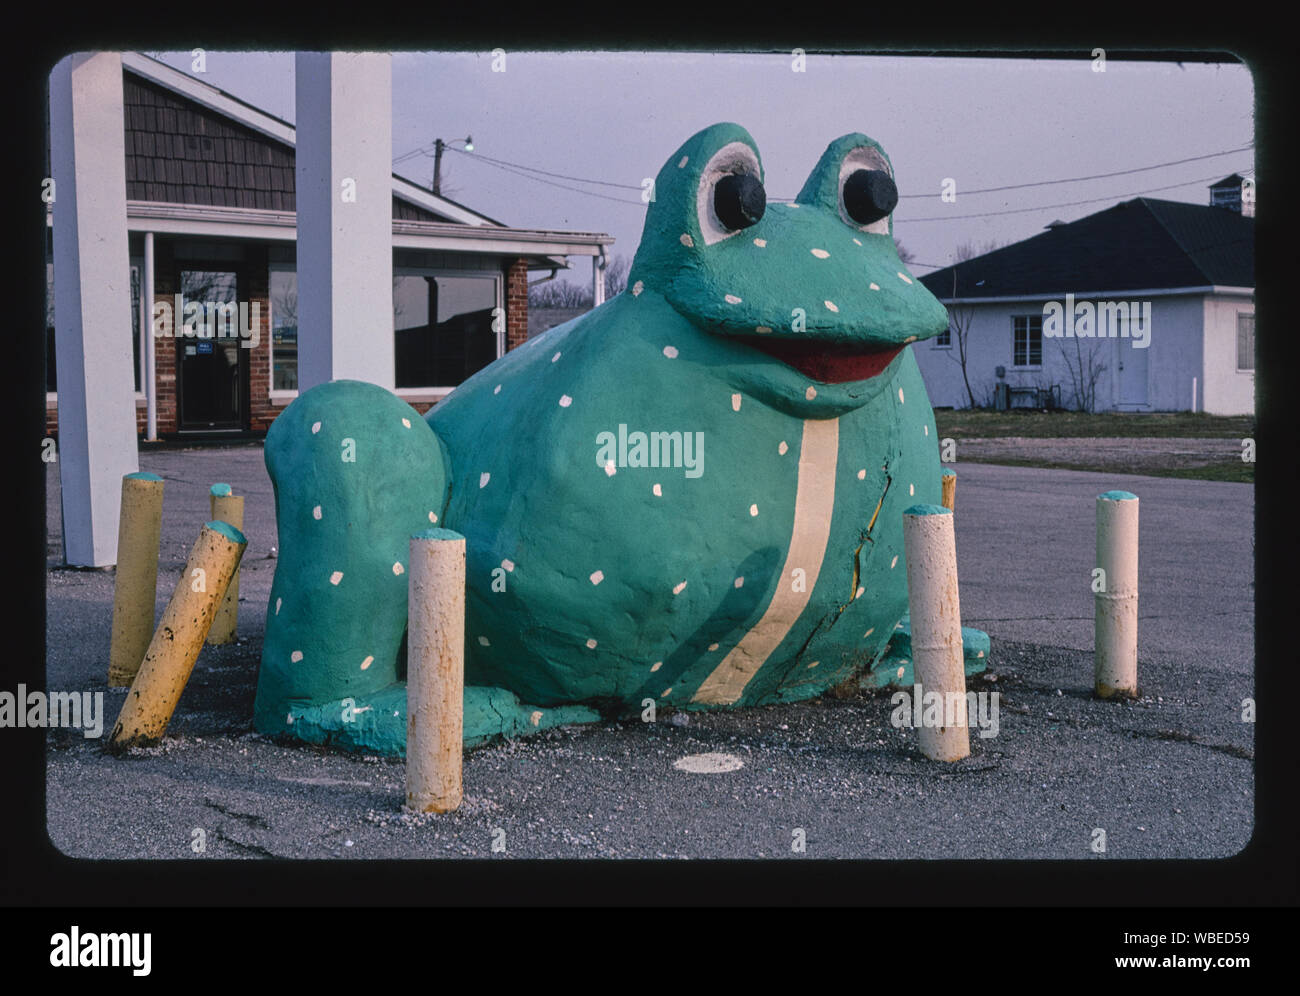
(435, 679)
(949, 480)
(135, 583)
(179, 638)
(226, 507)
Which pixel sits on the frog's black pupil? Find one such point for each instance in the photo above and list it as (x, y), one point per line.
(739, 200)
(869, 195)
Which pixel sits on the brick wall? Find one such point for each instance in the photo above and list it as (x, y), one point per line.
(254, 287)
(517, 304)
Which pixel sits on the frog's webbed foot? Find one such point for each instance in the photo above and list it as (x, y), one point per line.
(356, 472)
(376, 723)
(894, 665)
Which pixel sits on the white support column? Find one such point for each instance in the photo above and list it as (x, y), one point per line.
(150, 362)
(92, 295)
(598, 263)
(345, 218)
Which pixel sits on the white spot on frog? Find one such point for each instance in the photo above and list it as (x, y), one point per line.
(483, 479)
(591, 644)
(656, 665)
(565, 401)
(810, 393)
(277, 605)
(731, 299)
(367, 662)
(831, 306)
(670, 352)
(316, 512)
(398, 569)
(820, 253)
(555, 357)
(683, 162)
(597, 577)
(911, 489)
(296, 656)
(315, 428)
(610, 469)
(893, 563)
(761, 243)
(762, 329)
(336, 577)
(484, 642)
(433, 518)
(658, 490)
(637, 288)
(406, 422)
(874, 286)
(740, 582)
(753, 509)
(900, 395)
(903, 277)
(784, 448)
(678, 589)
(536, 717)
(687, 241)
(497, 389)
(862, 474)
(735, 402)
(713, 647)
(509, 565)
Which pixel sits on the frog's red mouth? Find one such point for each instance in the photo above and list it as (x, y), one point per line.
(828, 363)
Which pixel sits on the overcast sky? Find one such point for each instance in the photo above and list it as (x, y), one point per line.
(616, 117)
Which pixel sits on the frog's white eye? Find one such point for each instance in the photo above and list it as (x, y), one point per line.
(867, 193)
(730, 195)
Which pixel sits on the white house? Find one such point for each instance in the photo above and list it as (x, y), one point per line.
(1146, 306)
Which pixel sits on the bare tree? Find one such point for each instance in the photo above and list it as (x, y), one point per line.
(1085, 369)
(565, 294)
(960, 317)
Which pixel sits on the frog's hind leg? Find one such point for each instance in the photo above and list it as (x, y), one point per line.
(356, 472)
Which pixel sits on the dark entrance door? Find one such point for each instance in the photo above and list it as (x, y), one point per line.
(212, 366)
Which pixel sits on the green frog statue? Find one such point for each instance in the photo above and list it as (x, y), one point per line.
(692, 494)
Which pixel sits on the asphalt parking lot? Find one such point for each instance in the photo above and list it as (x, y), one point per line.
(1168, 775)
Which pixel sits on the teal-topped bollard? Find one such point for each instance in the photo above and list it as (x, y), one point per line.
(934, 610)
(435, 672)
(1115, 588)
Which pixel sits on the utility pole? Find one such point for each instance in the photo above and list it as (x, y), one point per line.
(438, 146)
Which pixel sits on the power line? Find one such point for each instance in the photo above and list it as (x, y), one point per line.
(1094, 176)
(534, 169)
(551, 183)
(1049, 207)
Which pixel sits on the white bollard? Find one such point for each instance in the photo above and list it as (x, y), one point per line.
(935, 610)
(1116, 589)
(435, 679)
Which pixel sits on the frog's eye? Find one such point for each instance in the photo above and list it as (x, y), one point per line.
(867, 192)
(739, 200)
(869, 195)
(730, 197)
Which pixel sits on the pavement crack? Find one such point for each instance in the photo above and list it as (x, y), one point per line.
(251, 819)
(1182, 736)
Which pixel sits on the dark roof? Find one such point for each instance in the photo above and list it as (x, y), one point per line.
(1136, 245)
(1228, 181)
(180, 152)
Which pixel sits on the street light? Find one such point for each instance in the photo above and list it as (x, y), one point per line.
(438, 146)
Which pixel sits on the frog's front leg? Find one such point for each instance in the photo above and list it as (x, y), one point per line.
(356, 472)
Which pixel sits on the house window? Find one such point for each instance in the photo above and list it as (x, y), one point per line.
(1027, 341)
(1246, 341)
(443, 326)
(284, 328)
(137, 335)
(944, 339)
